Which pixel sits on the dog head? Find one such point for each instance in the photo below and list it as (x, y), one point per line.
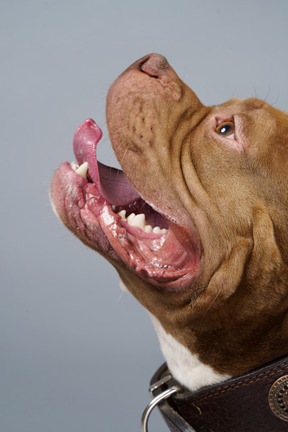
(196, 223)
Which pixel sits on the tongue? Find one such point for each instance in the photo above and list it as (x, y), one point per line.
(112, 183)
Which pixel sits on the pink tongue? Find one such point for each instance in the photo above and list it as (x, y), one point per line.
(114, 186)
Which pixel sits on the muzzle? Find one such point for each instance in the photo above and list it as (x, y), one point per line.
(254, 402)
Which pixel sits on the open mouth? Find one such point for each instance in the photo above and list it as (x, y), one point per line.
(99, 204)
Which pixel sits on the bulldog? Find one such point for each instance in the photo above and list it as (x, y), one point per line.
(196, 223)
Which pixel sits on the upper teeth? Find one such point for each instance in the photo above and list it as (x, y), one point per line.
(139, 222)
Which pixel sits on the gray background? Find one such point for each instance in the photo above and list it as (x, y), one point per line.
(76, 353)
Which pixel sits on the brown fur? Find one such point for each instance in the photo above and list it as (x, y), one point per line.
(234, 314)
(238, 203)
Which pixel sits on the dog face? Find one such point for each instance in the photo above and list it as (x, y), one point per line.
(209, 258)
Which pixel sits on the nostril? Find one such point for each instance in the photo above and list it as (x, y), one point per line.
(154, 65)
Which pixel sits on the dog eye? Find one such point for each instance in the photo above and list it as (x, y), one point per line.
(226, 129)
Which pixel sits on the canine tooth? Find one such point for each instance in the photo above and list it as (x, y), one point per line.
(82, 170)
(122, 214)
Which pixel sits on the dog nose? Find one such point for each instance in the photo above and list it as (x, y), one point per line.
(154, 65)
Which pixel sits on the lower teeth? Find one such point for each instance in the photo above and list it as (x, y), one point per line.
(80, 170)
(139, 222)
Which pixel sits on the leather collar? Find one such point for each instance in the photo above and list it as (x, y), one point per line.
(256, 401)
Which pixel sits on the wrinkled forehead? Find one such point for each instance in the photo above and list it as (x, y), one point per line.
(237, 105)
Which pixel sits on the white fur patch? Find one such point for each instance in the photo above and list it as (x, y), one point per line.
(184, 366)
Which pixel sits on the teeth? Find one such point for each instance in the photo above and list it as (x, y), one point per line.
(130, 218)
(74, 166)
(148, 228)
(139, 222)
(82, 170)
(122, 214)
(157, 230)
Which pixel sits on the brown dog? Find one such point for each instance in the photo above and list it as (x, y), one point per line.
(207, 252)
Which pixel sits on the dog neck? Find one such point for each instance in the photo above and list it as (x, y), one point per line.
(185, 366)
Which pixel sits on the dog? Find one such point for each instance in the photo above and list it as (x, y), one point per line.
(196, 224)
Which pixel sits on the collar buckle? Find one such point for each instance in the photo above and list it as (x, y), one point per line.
(158, 396)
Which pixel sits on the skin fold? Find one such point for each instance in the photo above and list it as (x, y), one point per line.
(217, 175)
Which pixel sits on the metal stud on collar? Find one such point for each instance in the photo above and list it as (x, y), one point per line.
(157, 399)
(278, 398)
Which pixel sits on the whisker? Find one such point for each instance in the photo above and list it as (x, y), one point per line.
(211, 304)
